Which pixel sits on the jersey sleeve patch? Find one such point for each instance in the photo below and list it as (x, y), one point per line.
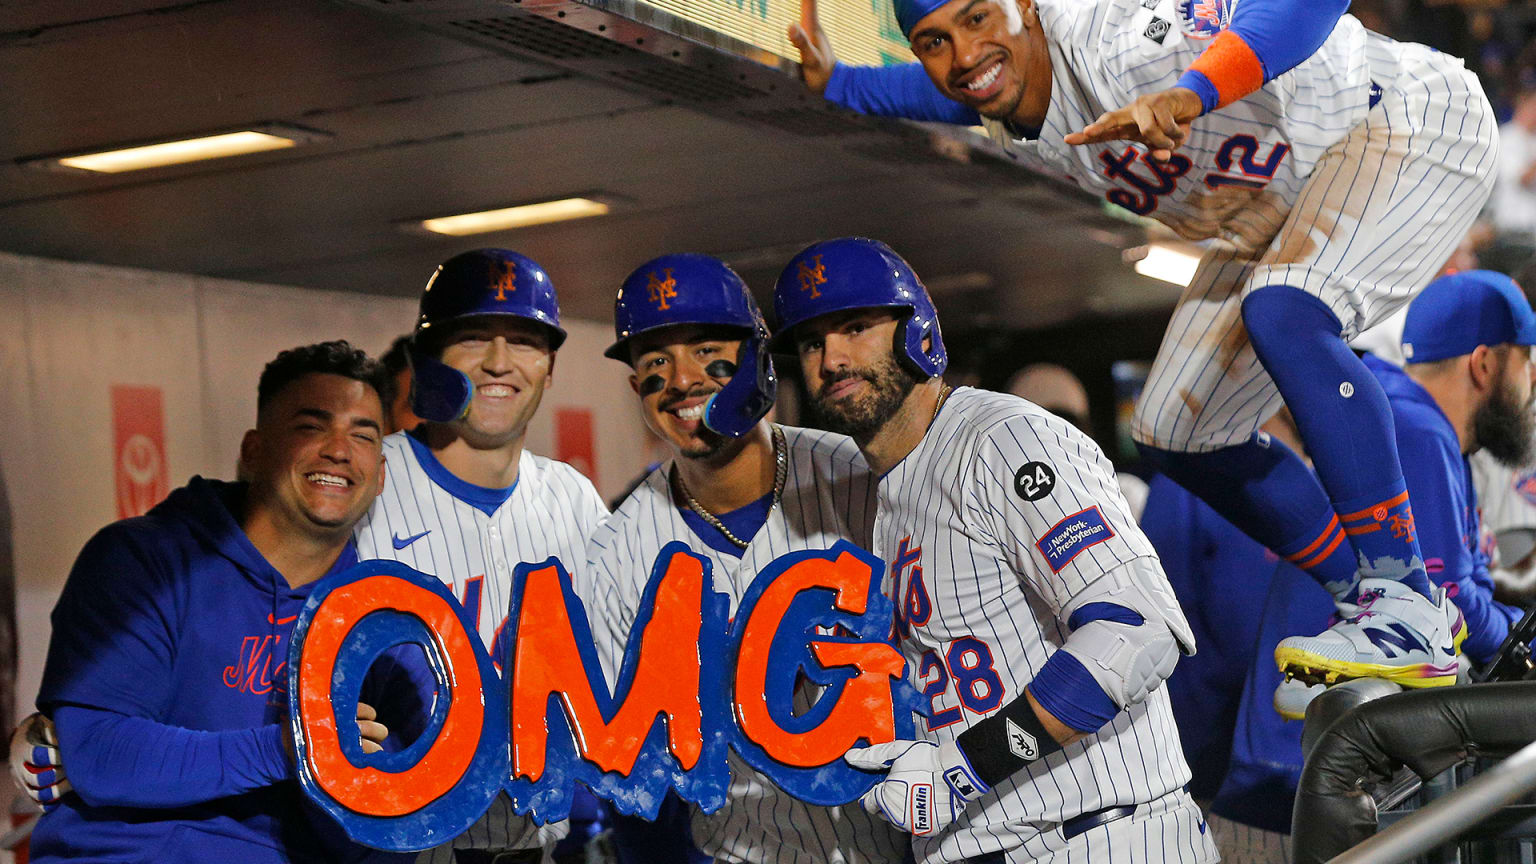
(1203, 19)
(1068, 538)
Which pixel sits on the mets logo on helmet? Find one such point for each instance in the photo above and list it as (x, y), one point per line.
(661, 290)
(503, 277)
(810, 277)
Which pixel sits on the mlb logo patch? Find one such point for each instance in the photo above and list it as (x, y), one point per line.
(1158, 29)
(1068, 538)
(1203, 19)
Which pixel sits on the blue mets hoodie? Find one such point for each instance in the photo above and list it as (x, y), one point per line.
(166, 675)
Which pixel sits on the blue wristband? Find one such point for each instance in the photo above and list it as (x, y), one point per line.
(1195, 80)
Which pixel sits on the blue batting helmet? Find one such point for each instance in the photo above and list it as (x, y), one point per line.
(859, 273)
(698, 289)
(482, 282)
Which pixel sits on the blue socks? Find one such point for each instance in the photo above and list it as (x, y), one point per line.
(1268, 492)
(1362, 525)
(1346, 423)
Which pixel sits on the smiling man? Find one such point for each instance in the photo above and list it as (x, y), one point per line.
(1332, 170)
(740, 491)
(165, 672)
(465, 501)
(1034, 613)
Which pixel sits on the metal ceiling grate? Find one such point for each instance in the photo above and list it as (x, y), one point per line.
(543, 37)
(685, 82)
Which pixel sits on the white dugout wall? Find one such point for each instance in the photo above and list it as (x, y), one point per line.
(70, 333)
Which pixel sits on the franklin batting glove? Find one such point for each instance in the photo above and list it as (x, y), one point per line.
(926, 786)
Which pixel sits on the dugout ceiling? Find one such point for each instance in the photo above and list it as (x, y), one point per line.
(424, 108)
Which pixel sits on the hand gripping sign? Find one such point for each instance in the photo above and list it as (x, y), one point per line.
(691, 683)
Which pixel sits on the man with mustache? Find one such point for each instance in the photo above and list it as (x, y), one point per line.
(740, 491)
(1036, 617)
(1332, 171)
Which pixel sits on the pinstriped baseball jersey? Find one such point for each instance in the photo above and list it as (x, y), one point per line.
(1244, 165)
(1507, 495)
(828, 494)
(1350, 177)
(1000, 515)
(416, 520)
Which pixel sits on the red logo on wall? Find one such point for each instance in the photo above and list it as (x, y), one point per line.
(573, 440)
(138, 447)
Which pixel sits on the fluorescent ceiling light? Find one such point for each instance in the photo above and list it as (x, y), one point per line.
(1167, 263)
(176, 152)
(515, 217)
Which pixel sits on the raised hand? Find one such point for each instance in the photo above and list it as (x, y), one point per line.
(1159, 120)
(816, 57)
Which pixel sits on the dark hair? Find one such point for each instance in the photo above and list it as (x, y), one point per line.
(331, 358)
(394, 359)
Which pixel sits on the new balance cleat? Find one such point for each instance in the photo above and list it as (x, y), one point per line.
(1294, 695)
(1390, 632)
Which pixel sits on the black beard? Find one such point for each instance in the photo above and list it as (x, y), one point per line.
(1506, 429)
(861, 419)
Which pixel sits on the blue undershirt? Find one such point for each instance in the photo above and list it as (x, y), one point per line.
(483, 498)
(743, 522)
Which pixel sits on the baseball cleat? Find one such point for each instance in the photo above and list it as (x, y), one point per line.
(1390, 632)
(1294, 695)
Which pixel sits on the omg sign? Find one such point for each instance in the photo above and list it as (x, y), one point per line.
(693, 683)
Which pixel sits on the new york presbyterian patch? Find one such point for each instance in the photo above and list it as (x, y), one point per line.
(1069, 537)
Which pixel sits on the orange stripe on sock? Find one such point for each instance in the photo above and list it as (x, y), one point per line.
(1231, 66)
(1322, 538)
(1363, 529)
(1366, 513)
(1323, 555)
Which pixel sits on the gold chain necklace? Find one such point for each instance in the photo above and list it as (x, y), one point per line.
(943, 392)
(780, 471)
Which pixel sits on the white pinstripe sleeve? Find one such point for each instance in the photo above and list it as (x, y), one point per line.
(1048, 496)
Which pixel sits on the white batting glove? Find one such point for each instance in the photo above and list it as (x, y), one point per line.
(926, 786)
(35, 763)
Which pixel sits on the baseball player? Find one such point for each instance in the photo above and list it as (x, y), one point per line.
(1332, 171)
(741, 491)
(1037, 619)
(464, 500)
